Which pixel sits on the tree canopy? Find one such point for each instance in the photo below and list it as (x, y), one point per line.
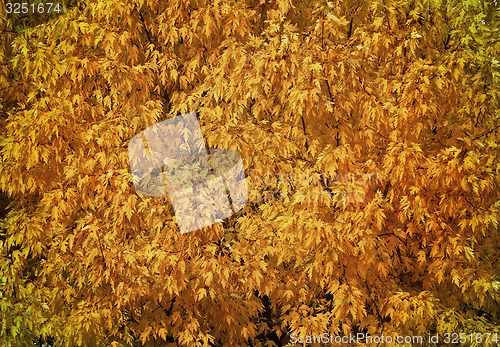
(369, 133)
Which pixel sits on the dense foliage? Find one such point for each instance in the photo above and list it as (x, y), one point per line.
(369, 132)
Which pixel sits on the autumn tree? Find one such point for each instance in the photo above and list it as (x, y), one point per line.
(369, 132)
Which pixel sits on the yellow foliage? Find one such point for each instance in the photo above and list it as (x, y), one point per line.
(369, 134)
